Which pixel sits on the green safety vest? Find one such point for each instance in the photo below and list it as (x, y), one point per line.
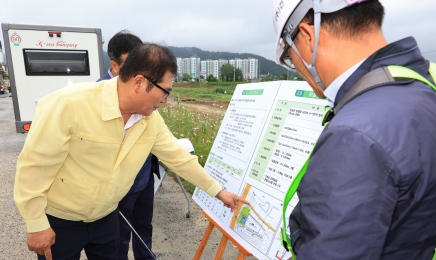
(373, 79)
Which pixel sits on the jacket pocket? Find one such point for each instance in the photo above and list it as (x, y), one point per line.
(73, 193)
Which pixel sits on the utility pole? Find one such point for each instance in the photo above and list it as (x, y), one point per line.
(1, 63)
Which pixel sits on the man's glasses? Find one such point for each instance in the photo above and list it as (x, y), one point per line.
(159, 87)
(286, 58)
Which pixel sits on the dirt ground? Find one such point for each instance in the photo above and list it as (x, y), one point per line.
(205, 106)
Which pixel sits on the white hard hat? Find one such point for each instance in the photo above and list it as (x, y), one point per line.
(287, 15)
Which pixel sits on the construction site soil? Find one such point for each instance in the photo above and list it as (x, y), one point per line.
(205, 106)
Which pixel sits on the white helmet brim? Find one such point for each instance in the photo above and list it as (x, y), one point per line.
(288, 14)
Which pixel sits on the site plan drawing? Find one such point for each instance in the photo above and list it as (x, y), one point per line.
(258, 222)
(266, 136)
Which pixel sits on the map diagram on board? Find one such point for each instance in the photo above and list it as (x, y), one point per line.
(258, 222)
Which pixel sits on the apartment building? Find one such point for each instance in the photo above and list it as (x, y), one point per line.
(179, 67)
(196, 67)
(216, 69)
(186, 66)
(253, 68)
(206, 68)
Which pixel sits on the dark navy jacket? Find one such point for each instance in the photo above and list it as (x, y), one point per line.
(370, 188)
(105, 76)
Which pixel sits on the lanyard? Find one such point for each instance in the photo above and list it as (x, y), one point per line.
(286, 241)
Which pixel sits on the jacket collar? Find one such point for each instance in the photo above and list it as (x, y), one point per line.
(404, 52)
(110, 107)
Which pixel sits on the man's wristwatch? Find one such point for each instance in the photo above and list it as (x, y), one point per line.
(223, 188)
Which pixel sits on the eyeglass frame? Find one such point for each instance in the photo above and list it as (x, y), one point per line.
(159, 87)
(287, 46)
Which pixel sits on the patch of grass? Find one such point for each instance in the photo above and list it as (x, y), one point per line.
(200, 90)
(200, 128)
(221, 83)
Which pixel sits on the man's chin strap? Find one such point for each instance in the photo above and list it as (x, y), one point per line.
(317, 24)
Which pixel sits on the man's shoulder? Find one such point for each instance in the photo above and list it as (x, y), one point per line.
(393, 117)
(390, 105)
(88, 87)
(81, 88)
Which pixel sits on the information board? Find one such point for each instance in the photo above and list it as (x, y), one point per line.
(267, 133)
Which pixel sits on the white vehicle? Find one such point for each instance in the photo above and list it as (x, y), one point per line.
(44, 58)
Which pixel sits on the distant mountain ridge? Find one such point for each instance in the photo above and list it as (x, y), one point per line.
(266, 65)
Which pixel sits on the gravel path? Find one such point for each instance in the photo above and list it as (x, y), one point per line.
(175, 236)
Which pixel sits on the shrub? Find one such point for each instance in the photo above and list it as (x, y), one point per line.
(220, 91)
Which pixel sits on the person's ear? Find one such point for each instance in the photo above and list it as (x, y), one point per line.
(307, 36)
(138, 81)
(115, 69)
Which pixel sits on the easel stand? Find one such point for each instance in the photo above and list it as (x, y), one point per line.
(226, 236)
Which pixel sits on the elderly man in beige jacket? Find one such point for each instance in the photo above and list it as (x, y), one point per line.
(86, 145)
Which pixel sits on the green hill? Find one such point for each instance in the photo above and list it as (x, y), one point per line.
(266, 66)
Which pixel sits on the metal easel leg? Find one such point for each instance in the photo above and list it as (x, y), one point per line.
(188, 214)
(166, 170)
(185, 143)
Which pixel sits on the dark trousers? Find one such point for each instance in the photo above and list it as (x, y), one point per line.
(100, 238)
(138, 209)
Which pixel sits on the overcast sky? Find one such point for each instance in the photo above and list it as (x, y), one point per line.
(224, 25)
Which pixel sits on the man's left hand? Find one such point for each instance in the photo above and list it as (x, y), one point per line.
(230, 199)
(41, 242)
